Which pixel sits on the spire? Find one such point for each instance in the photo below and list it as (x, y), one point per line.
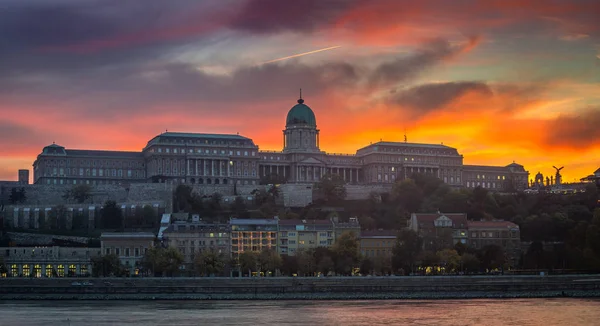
(300, 100)
(405, 139)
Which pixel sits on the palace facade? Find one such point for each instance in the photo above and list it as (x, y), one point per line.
(196, 158)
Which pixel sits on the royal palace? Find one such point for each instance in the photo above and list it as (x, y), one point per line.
(197, 158)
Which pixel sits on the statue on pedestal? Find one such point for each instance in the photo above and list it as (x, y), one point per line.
(558, 177)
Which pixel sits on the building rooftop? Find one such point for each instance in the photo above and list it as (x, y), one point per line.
(252, 221)
(126, 235)
(304, 222)
(203, 136)
(103, 153)
(426, 219)
(196, 227)
(492, 224)
(485, 168)
(379, 234)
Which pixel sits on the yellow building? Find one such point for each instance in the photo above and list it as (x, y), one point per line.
(377, 243)
(296, 235)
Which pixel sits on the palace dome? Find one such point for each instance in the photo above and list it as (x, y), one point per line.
(301, 114)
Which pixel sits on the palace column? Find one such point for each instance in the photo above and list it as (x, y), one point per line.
(204, 167)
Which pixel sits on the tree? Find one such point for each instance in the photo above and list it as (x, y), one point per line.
(492, 257)
(407, 248)
(17, 196)
(248, 261)
(149, 216)
(346, 252)
(239, 207)
(183, 197)
(382, 265)
(470, 262)
(307, 264)
(209, 263)
(79, 193)
(172, 260)
(215, 201)
(366, 266)
(268, 260)
(108, 265)
(326, 265)
(429, 259)
(112, 216)
(407, 194)
(450, 259)
(331, 188)
(162, 261)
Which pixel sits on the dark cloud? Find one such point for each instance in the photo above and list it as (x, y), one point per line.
(575, 131)
(431, 97)
(404, 68)
(271, 16)
(129, 89)
(16, 137)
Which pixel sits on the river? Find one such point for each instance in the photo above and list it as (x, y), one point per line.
(522, 312)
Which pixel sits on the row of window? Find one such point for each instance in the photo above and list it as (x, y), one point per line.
(424, 160)
(56, 181)
(493, 234)
(205, 141)
(416, 150)
(222, 152)
(489, 185)
(499, 177)
(137, 252)
(100, 163)
(194, 243)
(48, 270)
(95, 172)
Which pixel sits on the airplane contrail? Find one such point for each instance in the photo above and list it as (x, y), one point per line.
(302, 54)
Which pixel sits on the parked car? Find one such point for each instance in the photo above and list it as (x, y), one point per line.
(88, 283)
(108, 283)
(76, 284)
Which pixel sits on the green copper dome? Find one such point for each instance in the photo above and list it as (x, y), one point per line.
(301, 114)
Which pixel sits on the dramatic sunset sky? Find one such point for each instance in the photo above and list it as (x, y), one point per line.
(501, 81)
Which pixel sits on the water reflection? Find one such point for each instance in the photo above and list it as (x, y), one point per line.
(414, 312)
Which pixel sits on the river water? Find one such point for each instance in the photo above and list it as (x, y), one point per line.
(520, 312)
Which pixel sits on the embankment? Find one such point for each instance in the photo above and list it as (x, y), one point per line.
(274, 288)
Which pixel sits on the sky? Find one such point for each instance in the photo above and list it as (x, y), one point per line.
(500, 80)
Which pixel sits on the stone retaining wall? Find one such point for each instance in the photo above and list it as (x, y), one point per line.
(303, 288)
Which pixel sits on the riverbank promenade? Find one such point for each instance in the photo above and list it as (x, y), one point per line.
(298, 288)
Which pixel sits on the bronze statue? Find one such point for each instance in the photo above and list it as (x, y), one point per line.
(558, 177)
